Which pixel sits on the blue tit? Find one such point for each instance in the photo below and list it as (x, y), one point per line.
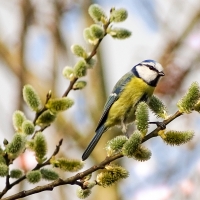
(135, 86)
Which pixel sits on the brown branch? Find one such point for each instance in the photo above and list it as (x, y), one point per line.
(38, 166)
(74, 179)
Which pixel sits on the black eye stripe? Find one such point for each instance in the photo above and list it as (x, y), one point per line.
(152, 68)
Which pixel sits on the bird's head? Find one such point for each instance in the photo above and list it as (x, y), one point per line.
(149, 71)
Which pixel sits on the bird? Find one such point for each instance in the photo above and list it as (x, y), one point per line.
(135, 86)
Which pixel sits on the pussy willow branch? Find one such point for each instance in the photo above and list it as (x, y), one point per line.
(73, 180)
(38, 166)
(93, 53)
(70, 87)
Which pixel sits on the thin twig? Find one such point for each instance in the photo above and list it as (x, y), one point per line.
(74, 179)
(38, 166)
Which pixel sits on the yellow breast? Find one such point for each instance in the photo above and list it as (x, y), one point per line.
(124, 108)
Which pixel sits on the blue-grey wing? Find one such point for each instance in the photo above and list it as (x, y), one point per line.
(114, 96)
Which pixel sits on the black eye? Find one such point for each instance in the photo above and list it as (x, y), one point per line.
(150, 67)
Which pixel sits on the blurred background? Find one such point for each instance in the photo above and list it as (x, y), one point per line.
(35, 41)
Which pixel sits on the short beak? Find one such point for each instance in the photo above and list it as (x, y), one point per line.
(161, 73)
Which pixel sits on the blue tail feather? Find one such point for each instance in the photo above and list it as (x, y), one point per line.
(93, 142)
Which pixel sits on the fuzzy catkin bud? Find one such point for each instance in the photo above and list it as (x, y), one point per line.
(113, 174)
(49, 174)
(115, 145)
(197, 106)
(3, 170)
(177, 137)
(91, 63)
(80, 69)
(78, 51)
(189, 100)
(31, 97)
(40, 147)
(88, 37)
(59, 104)
(65, 164)
(79, 85)
(33, 176)
(119, 33)
(2, 160)
(118, 15)
(142, 117)
(142, 154)
(28, 127)
(83, 193)
(18, 118)
(97, 13)
(96, 31)
(46, 118)
(16, 173)
(132, 144)
(16, 146)
(68, 72)
(158, 108)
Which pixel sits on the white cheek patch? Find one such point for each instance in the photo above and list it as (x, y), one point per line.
(146, 74)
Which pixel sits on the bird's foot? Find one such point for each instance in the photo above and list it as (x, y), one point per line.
(161, 125)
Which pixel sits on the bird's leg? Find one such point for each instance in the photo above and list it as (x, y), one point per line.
(124, 128)
(162, 125)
